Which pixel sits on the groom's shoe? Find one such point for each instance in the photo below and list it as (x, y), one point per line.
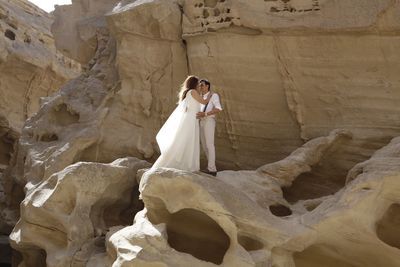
(212, 173)
(209, 173)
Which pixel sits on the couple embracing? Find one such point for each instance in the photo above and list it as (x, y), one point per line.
(192, 121)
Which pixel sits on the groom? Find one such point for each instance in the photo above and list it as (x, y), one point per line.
(207, 124)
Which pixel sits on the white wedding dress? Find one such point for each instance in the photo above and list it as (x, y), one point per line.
(178, 138)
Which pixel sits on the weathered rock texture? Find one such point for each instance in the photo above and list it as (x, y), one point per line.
(289, 73)
(75, 27)
(242, 219)
(30, 70)
(293, 70)
(64, 218)
(30, 65)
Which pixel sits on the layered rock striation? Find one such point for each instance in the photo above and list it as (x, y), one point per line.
(31, 69)
(289, 73)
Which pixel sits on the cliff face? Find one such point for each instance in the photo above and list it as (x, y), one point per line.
(31, 69)
(30, 65)
(289, 73)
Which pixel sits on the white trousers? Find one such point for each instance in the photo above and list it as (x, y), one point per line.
(207, 131)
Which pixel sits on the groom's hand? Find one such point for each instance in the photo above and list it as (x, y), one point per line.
(200, 115)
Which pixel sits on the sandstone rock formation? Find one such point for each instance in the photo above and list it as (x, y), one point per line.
(30, 70)
(294, 70)
(221, 222)
(30, 66)
(289, 73)
(63, 219)
(65, 127)
(75, 27)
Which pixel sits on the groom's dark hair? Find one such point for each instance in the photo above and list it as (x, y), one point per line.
(206, 82)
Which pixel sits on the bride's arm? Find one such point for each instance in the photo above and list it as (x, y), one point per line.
(198, 97)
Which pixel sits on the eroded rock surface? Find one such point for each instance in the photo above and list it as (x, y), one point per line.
(30, 66)
(31, 69)
(192, 213)
(64, 219)
(289, 73)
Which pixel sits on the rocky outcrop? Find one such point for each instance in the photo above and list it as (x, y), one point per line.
(30, 66)
(289, 73)
(75, 27)
(196, 220)
(64, 218)
(60, 133)
(286, 71)
(31, 70)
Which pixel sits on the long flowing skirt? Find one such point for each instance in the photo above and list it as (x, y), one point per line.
(179, 142)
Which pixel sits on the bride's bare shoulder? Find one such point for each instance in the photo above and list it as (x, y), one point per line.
(193, 92)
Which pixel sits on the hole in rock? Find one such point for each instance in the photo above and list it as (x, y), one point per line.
(249, 243)
(193, 232)
(274, 9)
(319, 256)
(124, 210)
(12, 25)
(49, 137)
(34, 257)
(5, 251)
(311, 206)
(210, 3)
(206, 14)
(280, 210)
(329, 175)
(9, 34)
(6, 151)
(64, 116)
(16, 258)
(388, 228)
(27, 39)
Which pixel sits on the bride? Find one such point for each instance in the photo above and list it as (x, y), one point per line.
(178, 138)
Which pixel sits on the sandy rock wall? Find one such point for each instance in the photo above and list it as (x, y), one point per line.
(75, 27)
(30, 67)
(242, 218)
(289, 73)
(68, 223)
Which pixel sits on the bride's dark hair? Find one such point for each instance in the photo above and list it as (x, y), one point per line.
(189, 84)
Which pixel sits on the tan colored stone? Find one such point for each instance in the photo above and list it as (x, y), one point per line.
(65, 215)
(75, 27)
(186, 212)
(31, 70)
(30, 66)
(288, 77)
